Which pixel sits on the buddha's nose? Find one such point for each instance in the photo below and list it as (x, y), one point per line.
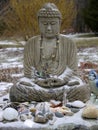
(49, 28)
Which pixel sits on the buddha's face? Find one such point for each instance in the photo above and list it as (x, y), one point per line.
(49, 27)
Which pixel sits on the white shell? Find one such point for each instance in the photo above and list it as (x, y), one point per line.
(78, 104)
(10, 114)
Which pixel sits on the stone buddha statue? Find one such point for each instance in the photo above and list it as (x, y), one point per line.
(50, 64)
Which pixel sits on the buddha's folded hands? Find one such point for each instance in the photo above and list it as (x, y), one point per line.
(50, 82)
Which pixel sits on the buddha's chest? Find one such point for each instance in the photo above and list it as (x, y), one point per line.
(49, 56)
(48, 50)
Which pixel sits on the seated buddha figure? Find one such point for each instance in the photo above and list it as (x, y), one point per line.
(50, 64)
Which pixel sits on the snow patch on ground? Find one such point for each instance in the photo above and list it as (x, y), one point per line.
(5, 85)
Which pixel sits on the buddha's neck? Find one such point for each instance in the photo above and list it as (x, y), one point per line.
(49, 40)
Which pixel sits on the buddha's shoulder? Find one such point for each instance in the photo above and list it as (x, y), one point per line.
(32, 39)
(65, 37)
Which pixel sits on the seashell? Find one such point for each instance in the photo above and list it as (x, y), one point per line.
(25, 104)
(66, 111)
(1, 116)
(69, 113)
(10, 114)
(90, 112)
(77, 103)
(55, 103)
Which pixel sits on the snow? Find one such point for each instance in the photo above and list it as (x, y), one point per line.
(5, 85)
(88, 54)
(6, 42)
(11, 57)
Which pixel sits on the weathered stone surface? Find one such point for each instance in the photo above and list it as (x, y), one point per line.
(50, 64)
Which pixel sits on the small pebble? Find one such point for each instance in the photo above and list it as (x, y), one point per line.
(5, 99)
(23, 117)
(59, 114)
(75, 110)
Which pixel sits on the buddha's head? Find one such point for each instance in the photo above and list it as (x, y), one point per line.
(49, 18)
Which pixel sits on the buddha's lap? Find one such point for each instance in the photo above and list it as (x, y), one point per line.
(37, 93)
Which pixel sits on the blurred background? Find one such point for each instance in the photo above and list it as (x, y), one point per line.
(19, 17)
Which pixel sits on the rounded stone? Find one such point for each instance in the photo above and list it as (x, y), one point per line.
(59, 114)
(77, 104)
(75, 110)
(90, 112)
(10, 114)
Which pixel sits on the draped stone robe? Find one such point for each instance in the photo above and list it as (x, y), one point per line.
(67, 55)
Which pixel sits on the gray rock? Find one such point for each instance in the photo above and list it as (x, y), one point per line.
(59, 114)
(74, 110)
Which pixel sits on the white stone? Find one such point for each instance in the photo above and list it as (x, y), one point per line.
(78, 104)
(10, 114)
